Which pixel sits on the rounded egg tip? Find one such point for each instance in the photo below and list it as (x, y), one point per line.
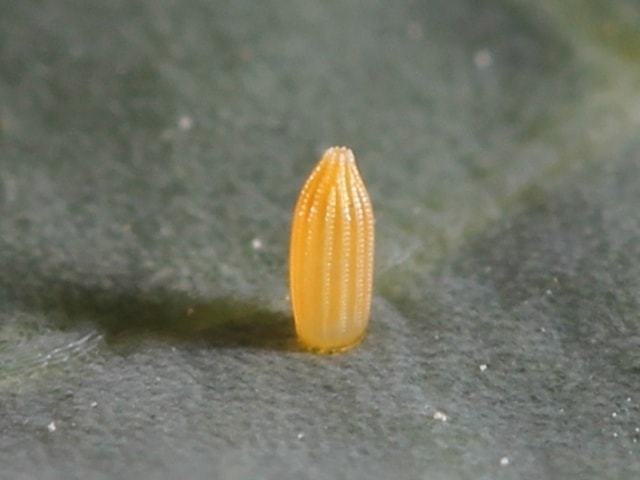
(339, 153)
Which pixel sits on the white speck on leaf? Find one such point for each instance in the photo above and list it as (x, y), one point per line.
(300, 436)
(504, 461)
(51, 427)
(256, 244)
(483, 367)
(483, 58)
(185, 123)
(440, 416)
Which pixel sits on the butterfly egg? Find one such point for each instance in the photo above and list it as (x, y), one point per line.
(331, 255)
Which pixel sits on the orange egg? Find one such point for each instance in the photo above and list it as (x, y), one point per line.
(331, 255)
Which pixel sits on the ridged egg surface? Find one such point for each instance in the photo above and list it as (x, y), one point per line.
(331, 255)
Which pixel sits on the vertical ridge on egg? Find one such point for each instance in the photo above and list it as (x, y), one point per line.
(331, 255)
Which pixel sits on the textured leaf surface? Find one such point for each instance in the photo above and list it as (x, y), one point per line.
(150, 156)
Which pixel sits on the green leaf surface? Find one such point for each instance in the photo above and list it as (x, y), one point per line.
(150, 156)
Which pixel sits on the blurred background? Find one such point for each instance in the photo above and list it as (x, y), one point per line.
(150, 155)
